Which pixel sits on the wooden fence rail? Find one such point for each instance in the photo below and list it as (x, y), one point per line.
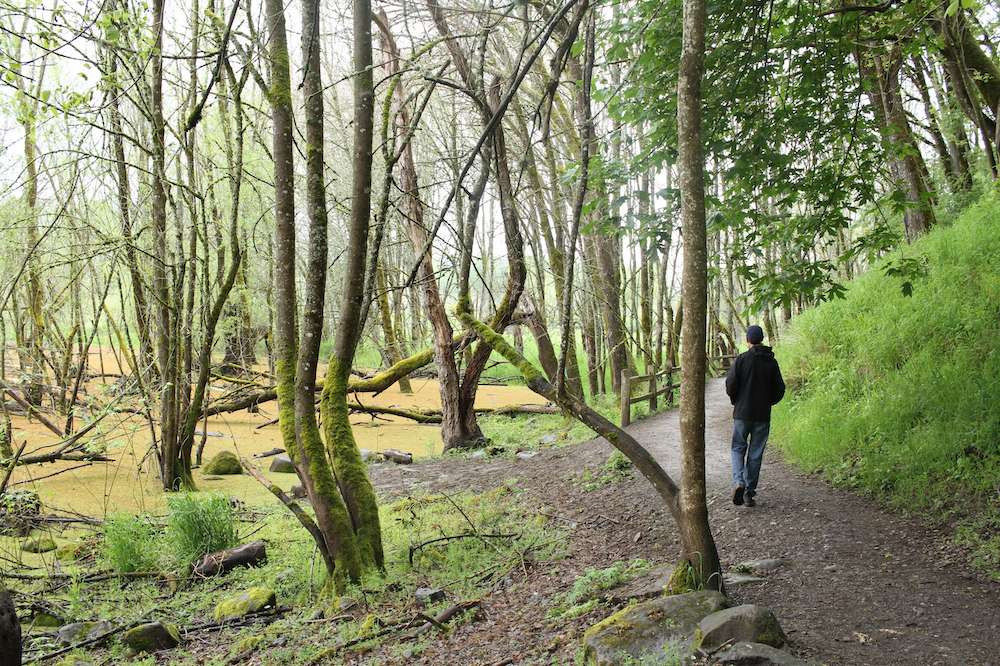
(655, 388)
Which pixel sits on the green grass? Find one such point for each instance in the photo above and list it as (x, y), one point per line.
(587, 590)
(130, 543)
(199, 524)
(900, 395)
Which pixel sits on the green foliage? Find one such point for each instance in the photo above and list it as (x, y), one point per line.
(585, 594)
(900, 395)
(130, 543)
(199, 524)
(615, 469)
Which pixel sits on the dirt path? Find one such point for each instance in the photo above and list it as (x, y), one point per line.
(859, 585)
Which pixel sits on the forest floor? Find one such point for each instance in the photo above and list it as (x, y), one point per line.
(858, 584)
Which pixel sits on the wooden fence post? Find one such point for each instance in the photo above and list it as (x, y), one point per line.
(626, 416)
(652, 391)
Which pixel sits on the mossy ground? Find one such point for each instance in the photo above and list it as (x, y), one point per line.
(466, 568)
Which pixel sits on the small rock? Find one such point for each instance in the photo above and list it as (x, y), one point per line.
(748, 623)
(428, 595)
(549, 439)
(38, 545)
(477, 455)
(650, 584)
(74, 632)
(650, 627)
(637, 537)
(253, 600)
(282, 464)
(346, 603)
(765, 565)
(297, 492)
(223, 463)
(755, 654)
(367, 455)
(152, 636)
(525, 455)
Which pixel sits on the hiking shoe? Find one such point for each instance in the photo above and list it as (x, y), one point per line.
(738, 496)
(750, 501)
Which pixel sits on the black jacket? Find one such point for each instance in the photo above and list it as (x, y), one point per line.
(754, 384)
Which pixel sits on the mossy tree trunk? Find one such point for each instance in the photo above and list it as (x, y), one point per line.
(696, 534)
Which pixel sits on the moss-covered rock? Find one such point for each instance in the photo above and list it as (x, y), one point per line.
(74, 632)
(38, 545)
(69, 552)
(153, 636)
(747, 623)
(649, 628)
(46, 619)
(223, 463)
(251, 601)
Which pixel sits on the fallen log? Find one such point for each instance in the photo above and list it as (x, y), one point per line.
(376, 384)
(247, 555)
(397, 456)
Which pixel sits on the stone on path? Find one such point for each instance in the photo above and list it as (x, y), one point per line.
(153, 636)
(223, 463)
(75, 632)
(251, 601)
(652, 628)
(749, 623)
(282, 464)
(761, 566)
(525, 455)
(755, 654)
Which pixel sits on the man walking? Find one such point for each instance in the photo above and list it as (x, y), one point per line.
(754, 385)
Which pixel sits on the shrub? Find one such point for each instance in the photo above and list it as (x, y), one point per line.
(896, 388)
(198, 525)
(129, 543)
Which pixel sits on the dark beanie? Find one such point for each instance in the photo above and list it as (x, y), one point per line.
(755, 335)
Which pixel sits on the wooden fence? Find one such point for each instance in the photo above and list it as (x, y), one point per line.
(659, 383)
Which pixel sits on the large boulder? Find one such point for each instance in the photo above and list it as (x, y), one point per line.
(223, 463)
(75, 632)
(282, 464)
(253, 600)
(152, 637)
(747, 623)
(755, 654)
(650, 629)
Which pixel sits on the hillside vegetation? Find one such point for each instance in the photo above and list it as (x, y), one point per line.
(900, 395)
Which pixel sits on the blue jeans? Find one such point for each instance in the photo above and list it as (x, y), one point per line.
(748, 457)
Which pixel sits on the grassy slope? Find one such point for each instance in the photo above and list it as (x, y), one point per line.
(900, 396)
